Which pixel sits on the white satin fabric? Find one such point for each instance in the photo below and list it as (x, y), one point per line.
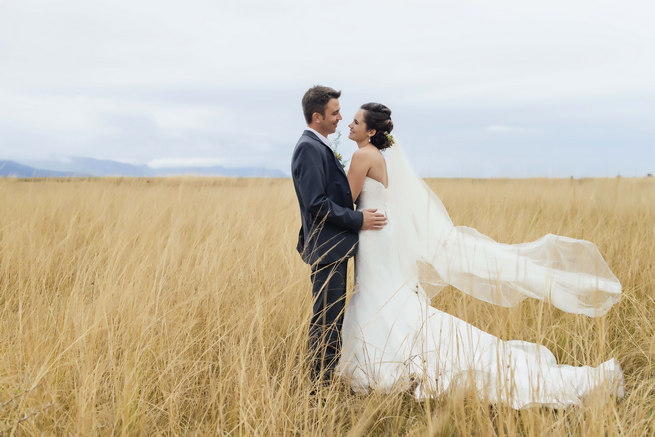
(393, 338)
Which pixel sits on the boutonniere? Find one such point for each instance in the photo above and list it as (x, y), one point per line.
(335, 146)
(340, 158)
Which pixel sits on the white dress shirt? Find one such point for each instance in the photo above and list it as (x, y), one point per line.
(320, 137)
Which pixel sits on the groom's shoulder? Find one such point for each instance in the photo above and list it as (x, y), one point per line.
(309, 141)
(309, 151)
(310, 138)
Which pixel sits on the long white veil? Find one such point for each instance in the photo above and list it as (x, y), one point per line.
(569, 273)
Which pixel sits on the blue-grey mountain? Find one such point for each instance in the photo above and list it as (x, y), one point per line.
(81, 166)
(11, 168)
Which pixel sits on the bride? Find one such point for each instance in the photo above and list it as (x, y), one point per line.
(393, 338)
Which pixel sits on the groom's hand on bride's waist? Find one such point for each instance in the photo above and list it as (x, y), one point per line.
(373, 220)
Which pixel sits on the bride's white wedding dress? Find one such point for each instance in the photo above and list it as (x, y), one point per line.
(394, 339)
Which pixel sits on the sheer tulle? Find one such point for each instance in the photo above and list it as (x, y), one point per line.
(569, 273)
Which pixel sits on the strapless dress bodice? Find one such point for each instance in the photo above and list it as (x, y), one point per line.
(373, 196)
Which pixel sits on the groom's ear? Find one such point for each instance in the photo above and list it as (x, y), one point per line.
(316, 116)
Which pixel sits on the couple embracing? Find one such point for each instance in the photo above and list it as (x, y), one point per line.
(406, 249)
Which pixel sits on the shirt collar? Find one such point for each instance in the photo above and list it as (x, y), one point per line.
(320, 137)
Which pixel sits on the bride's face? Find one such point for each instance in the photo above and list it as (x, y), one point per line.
(358, 129)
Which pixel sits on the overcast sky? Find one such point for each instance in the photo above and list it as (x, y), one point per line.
(477, 88)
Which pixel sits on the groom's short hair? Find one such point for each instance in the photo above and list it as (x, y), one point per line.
(316, 99)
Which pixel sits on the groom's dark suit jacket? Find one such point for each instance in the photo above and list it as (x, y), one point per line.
(329, 223)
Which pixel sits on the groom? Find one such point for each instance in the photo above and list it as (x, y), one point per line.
(330, 226)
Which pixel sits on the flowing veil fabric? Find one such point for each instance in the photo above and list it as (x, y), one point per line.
(569, 273)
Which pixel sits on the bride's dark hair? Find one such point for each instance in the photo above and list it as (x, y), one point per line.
(378, 117)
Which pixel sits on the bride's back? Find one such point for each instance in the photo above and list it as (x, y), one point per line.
(378, 166)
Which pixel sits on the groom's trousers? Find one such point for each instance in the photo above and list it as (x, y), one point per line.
(329, 297)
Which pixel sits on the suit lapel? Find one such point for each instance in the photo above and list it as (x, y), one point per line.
(313, 136)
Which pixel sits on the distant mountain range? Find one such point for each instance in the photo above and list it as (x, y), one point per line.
(91, 167)
(11, 168)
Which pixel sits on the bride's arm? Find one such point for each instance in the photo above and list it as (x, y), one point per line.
(359, 166)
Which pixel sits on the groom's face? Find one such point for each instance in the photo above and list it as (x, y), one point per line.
(328, 123)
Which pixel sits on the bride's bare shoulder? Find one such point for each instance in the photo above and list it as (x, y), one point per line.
(367, 154)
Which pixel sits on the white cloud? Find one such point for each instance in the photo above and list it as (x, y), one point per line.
(184, 162)
(96, 78)
(512, 129)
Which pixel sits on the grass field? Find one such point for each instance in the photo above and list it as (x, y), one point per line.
(179, 306)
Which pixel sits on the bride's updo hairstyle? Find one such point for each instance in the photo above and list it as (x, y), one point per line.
(378, 117)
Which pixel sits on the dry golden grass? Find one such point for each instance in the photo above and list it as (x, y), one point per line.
(180, 306)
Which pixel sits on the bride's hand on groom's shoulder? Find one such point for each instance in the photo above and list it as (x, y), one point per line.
(373, 220)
